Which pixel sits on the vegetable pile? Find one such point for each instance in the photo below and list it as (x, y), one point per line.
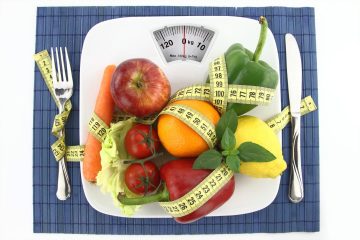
(126, 162)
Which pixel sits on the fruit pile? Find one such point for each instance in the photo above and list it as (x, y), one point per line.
(126, 163)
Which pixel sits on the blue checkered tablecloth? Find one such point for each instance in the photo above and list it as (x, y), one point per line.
(68, 26)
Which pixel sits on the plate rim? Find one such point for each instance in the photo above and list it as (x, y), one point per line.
(93, 28)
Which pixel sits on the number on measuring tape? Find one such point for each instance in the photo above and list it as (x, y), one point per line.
(97, 127)
(195, 92)
(218, 92)
(236, 94)
(218, 84)
(59, 148)
(197, 197)
(75, 153)
(43, 62)
(61, 119)
(250, 94)
(279, 121)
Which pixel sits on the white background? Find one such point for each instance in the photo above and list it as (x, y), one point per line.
(338, 48)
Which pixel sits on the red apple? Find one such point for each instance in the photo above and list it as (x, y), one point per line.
(139, 87)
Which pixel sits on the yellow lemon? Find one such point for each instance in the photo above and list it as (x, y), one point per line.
(253, 129)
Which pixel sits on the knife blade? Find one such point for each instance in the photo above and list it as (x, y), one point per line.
(294, 78)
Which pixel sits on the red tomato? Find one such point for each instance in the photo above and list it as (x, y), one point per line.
(140, 142)
(142, 179)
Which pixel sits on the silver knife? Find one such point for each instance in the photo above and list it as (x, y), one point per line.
(294, 78)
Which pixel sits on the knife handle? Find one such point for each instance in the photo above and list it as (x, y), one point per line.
(296, 188)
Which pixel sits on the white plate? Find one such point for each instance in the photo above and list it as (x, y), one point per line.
(114, 41)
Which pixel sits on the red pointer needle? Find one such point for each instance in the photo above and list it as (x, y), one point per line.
(184, 42)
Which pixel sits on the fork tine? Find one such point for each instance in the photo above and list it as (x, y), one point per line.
(62, 65)
(53, 69)
(68, 68)
(59, 79)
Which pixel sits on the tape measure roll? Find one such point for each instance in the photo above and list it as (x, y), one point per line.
(197, 197)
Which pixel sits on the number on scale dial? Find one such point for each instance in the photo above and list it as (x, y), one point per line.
(183, 42)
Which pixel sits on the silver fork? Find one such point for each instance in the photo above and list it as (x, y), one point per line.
(63, 87)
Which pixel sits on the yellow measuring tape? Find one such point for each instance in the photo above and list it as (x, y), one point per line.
(218, 83)
(279, 121)
(75, 153)
(59, 148)
(200, 194)
(197, 197)
(218, 92)
(194, 119)
(235, 94)
(43, 61)
(97, 128)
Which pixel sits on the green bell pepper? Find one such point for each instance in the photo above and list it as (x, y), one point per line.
(245, 68)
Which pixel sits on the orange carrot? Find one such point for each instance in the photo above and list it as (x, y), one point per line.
(104, 109)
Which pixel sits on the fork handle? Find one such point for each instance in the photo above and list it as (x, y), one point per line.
(63, 186)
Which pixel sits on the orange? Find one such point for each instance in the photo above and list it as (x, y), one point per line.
(178, 138)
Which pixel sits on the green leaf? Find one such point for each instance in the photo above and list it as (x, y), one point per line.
(234, 152)
(210, 159)
(233, 162)
(252, 152)
(228, 140)
(225, 153)
(230, 152)
(228, 119)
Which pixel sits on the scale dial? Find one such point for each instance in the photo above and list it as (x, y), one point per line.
(183, 42)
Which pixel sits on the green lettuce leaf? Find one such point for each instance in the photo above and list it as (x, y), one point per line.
(111, 177)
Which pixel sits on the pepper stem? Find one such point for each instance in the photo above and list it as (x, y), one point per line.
(162, 196)
(262, 38)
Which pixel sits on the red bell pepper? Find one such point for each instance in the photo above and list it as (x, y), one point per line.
(180, 178)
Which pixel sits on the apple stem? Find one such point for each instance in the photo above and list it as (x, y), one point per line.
(138, 79)
(138, 84)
